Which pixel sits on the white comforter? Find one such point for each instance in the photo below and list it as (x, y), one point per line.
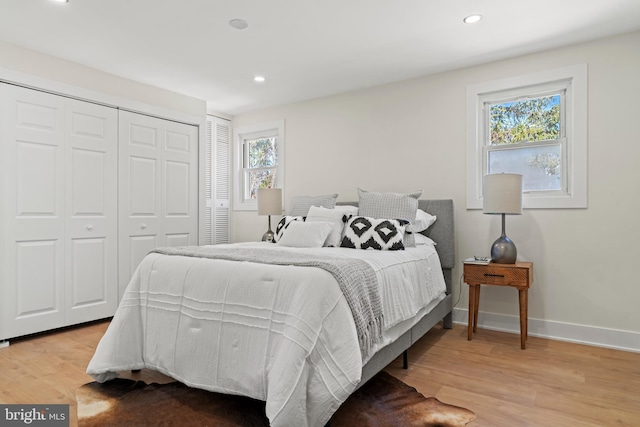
(280, 334)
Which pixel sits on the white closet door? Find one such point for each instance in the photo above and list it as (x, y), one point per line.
(180, 184)
(32, 132)
(222, 187)
(158, 188)
(92, 211)
(218, 180)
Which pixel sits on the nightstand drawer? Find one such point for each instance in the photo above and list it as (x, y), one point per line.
(495, 274)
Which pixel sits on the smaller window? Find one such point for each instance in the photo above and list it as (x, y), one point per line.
(259, 162)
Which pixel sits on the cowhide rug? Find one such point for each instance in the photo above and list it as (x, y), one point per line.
(383, 401)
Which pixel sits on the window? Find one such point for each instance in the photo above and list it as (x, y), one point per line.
(527, 136)
(259, 162)
(534, 126)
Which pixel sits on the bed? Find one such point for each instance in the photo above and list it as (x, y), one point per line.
(285, 334)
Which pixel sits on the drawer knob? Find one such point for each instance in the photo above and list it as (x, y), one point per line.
(493, 275)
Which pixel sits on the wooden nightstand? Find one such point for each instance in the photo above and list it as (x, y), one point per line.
(518, 275)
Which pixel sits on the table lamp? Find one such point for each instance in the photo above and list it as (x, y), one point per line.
(269, 203)
(502, 195)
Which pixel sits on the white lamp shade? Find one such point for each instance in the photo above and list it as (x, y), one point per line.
(269, 201)
(502, 194)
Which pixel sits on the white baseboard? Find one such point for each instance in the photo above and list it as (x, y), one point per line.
(589, 335)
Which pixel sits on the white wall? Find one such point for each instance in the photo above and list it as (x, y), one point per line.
(22, 60)
(411, 135)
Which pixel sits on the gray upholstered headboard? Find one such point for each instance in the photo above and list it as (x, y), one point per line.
(441, 232)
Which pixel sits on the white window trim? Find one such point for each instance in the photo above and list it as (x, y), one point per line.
(576, 134)
(239, 135)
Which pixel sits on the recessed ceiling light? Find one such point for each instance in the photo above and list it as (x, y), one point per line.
(259, 79)
(472, 19)
(238, 24)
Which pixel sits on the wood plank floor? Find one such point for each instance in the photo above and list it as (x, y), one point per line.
(551, 383)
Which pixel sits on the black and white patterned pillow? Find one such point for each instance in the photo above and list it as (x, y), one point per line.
(368, 233)
(283, 224)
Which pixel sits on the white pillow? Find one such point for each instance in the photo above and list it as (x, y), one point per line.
(421, 239)
(306, 234)
(423, 221)
(335, 217)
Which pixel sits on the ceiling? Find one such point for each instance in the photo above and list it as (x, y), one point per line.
(304, 48)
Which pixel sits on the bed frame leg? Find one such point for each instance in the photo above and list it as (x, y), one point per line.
(405, 359)
(447, 321)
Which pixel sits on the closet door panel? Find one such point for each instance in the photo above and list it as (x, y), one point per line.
(88, 185)
(180, 184)
(140, 192)
(139, 246)
(32, 131)
(143, 194)
(89, 274)
(180, 239)
(177, 189)
(92, 211)
(38, 290)
(36, 179)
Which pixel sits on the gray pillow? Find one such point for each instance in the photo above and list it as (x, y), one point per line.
(391, 206)
(300, 205)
